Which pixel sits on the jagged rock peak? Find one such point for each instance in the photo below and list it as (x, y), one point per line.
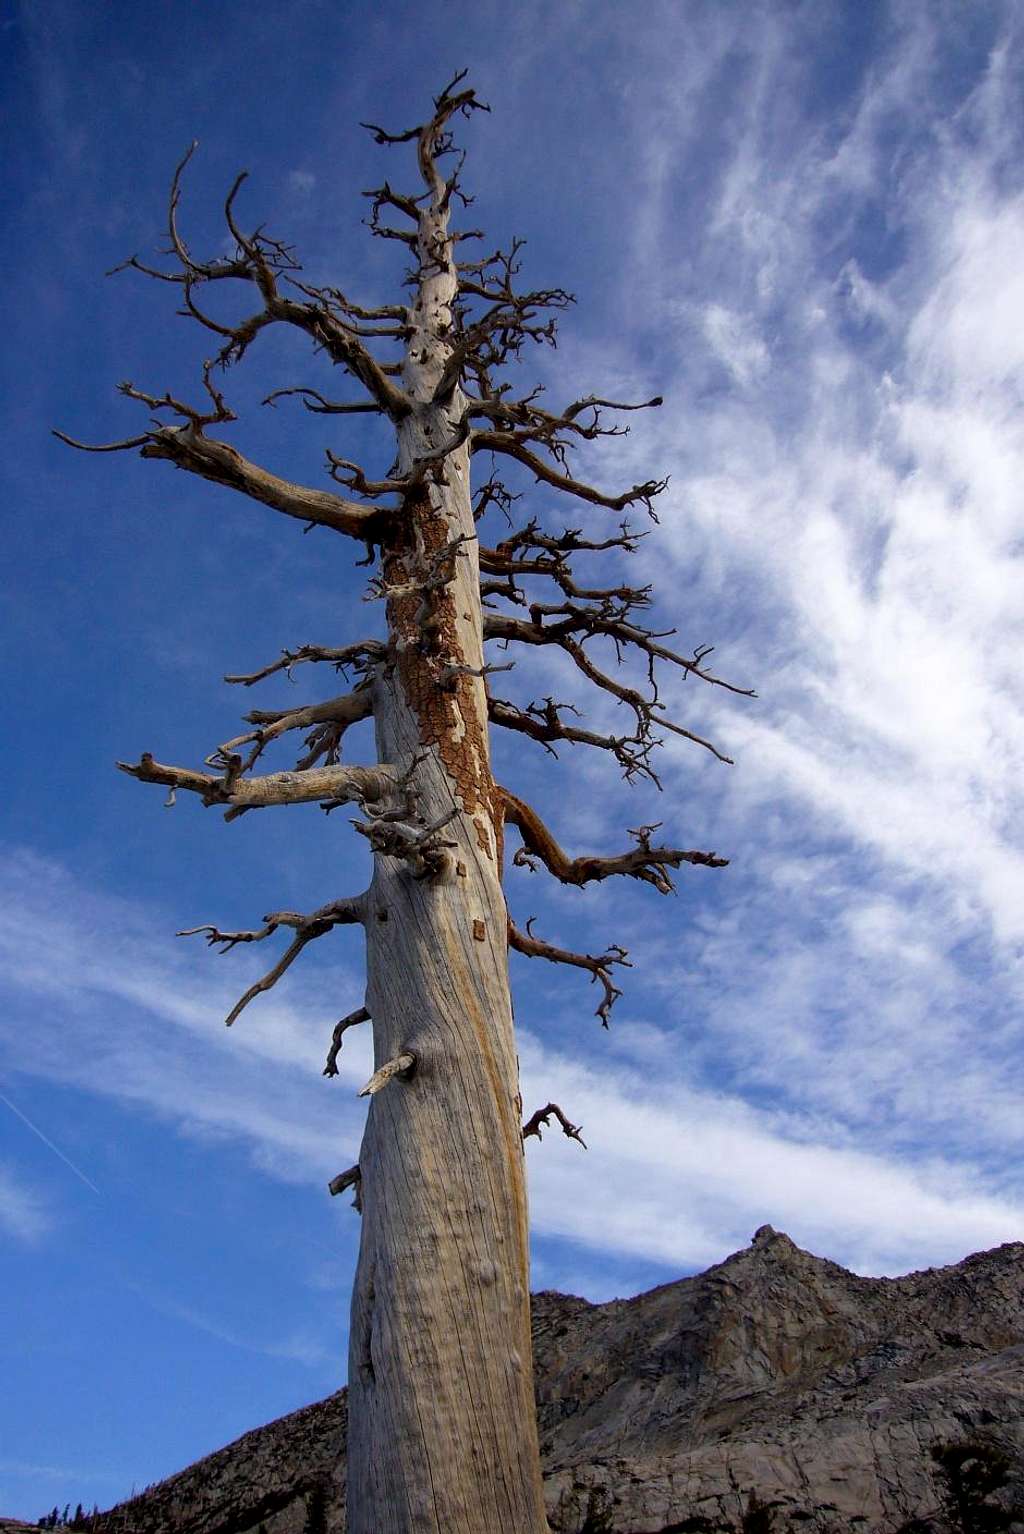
(775, 1373)
(767, 1233)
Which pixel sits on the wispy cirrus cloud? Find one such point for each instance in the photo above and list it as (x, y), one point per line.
(22, 1213)
(870, 488)
(679, 1171)
(838, 330)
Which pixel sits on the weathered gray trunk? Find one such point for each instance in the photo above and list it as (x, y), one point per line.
(443, 1432)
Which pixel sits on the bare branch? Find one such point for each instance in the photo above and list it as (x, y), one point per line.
(353, 477)
(191, 270)
(428, 464)
(360, 1015)
(329, 720)
(334, 302)
(429, 585)
(642, 706)
(529, 551)
(529, 422)
(507, 443)
(599, 965)
(544, 724)
(220, 413)
(341, 784)
(325, 315)
(544, 1116)
(101, 447)
(607, 620)
(493, 493)
(496, 337)
(386, 197)
(326, 406)
(431, 138)
(216, 461)
(449, 675)
(362, 655)
(188, 447)
(336, 913)
(651, 864)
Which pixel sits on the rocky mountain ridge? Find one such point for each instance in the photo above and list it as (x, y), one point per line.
(775, 1391)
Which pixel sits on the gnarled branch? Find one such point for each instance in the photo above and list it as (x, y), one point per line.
(360, 1015)
(327, 723)
(336, 913)
(340, 784)
(544, 724)
(529, 422)
(123, 446)
(512, 447)
(651, 864)
(323, 406)
(529, 551)
(419, 845)
(599, 965)
(604, 621)
(325, 315)
(432, 138)
(189, 448)
(429, 584)
(544, 1116)
(362, 655)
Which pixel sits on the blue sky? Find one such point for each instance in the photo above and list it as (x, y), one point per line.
(802, 224)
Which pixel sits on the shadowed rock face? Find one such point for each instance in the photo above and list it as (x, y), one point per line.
(774, 1372)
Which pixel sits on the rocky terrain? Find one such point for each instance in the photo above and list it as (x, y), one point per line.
(774, 1373)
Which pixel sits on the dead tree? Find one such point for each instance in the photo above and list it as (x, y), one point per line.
(442, 1432)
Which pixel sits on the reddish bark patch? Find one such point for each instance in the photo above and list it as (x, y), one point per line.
(449, 717)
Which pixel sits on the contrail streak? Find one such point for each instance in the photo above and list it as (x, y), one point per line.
(77, 1171)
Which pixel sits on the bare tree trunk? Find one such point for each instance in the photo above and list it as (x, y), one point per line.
(443, 1429)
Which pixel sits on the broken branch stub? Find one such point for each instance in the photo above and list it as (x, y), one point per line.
(353, 1178)
(401, 1066)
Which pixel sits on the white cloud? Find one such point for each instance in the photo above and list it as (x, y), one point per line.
(735, 343)
(22, 1213)
(678, 1171)
(682, 1176)
(147, 1021)
(860, 526)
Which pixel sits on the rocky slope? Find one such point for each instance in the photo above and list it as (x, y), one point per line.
(774, 1372)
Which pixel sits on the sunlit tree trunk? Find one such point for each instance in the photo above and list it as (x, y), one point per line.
(442, 1427)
